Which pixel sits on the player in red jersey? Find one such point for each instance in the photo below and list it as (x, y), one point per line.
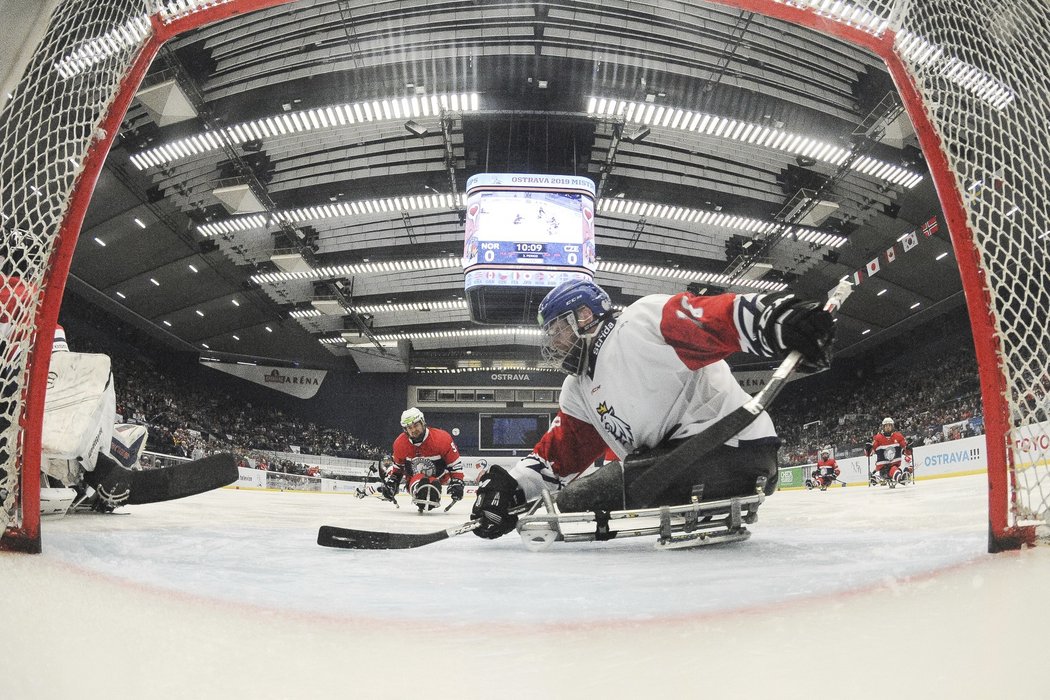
(427, 458)
(826, 472)
(889, 447)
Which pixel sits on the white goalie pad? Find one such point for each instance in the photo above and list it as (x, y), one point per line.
(78, 413)
(128, 444)
(56, 502)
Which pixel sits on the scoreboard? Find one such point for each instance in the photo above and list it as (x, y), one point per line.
(524, 234)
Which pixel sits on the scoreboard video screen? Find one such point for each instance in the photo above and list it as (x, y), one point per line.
(524, 235)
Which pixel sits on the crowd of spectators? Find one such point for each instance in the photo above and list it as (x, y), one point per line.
(186, 422)
(930, 397)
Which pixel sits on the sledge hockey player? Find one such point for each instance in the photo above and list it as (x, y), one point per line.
(826, 472)
(87, 460)
(428, 458)
(888, 446)
(641, 382)
(380, 470)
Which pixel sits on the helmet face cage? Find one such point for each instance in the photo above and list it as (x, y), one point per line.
(563, 343)
(565, 339)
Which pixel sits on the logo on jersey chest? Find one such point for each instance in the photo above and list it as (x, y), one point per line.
(615, 426)
(424, 466)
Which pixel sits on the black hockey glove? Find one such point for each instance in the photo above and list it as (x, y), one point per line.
(498, 493)
(455, 489)
(390, 486)
(112, 484)
(788, 323)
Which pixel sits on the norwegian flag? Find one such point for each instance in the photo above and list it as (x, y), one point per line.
(872, 267)
(930, 227)
(891, 254)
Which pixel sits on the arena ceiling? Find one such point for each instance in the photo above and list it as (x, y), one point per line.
(729, 151)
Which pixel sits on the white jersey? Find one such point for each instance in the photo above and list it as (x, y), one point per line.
(656, 373)
(641, 393)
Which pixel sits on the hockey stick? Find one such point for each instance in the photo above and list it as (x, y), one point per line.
(658, 478)
(348, 538)
(449, 506)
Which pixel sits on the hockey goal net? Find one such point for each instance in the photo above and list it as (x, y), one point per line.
(972, 75)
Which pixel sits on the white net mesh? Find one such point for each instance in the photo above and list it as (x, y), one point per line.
(46, 129)
(980, 67)
(986, 89)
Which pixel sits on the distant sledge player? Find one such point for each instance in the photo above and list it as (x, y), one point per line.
(826, 472)
(426, 458)
(889, 447)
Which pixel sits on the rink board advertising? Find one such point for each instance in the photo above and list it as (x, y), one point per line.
(524, 234)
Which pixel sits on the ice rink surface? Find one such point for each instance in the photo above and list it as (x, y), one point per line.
(854, 592)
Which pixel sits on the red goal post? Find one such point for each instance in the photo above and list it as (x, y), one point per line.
(972, 75)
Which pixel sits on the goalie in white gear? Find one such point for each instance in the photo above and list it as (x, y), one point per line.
(89, 458)
(81, 449)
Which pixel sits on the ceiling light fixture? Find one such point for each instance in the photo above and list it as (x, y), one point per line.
(616, 205)
(804, 148)
(287, 122)
(415, 128)
(638, 136)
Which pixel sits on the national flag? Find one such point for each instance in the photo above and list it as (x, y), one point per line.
(909, 241)
(930, 227)
(856, 277)
(891, 254)
(872, 267)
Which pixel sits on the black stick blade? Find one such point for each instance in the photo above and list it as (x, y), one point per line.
(183, 479)
(346, 538)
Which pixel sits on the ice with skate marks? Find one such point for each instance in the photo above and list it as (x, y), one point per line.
(687, 526)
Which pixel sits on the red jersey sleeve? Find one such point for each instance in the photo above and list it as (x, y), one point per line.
(570, 446)
(700, 329)
(401, 453)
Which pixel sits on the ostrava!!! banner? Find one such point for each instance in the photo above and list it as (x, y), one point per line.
(300, 383)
